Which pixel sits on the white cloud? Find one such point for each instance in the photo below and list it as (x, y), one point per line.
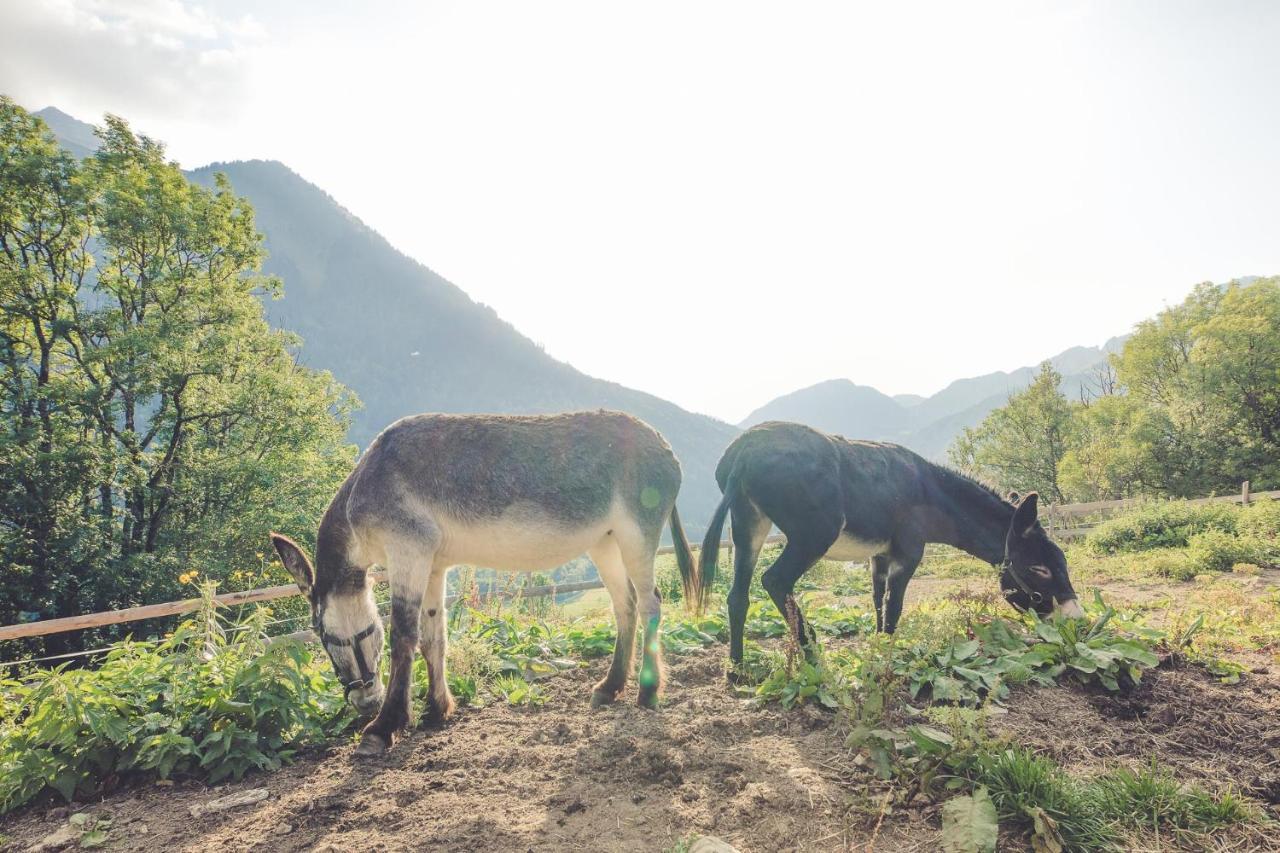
(137, 58)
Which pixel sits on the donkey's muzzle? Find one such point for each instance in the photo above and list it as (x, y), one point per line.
(365, 696)
(1069, 608)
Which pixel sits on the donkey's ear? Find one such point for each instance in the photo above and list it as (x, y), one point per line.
(1024, 517)
(295, 561)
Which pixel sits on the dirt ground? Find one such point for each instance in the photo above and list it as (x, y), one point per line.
(565, 777)
(1220, 736)
(560, 777)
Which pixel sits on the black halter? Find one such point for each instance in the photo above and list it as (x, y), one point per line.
(1007, 566)
(367, 675)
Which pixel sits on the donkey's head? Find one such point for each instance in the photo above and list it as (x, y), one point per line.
(345, 619)
(1034, 573)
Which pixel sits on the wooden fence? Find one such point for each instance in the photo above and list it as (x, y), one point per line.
(1064, 522)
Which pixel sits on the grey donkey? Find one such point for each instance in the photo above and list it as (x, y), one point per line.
(517, 493)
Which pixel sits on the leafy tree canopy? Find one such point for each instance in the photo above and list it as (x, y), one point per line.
(151, 422)
(1194, 409)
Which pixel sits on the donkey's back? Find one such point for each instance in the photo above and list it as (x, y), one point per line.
(480, 483)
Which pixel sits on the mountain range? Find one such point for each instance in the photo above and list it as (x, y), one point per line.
(406, 341)
(927, 425)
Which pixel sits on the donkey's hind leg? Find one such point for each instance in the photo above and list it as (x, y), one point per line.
(440, 704)
(613, 573)
(779, 580)
(638, 555)
(879, 577)
(408, 570)
(750, 529)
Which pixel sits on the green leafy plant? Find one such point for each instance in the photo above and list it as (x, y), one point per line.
(207, 702)
(517, 691)
(1217, 551)
(530, 651)
(590, 642)
(797, 681)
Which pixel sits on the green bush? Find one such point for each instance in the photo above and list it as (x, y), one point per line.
(1165, 524)
(1217, 551)
(1260, 522)
(211, 701)
(1166, 562)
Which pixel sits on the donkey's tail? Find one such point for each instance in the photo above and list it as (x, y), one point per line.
(695, 590)
(710, 556)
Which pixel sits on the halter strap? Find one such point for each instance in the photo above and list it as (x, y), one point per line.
(1007, 566)
(367, 674)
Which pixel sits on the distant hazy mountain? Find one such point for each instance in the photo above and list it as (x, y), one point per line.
(928, 425)
(838, 406)
(76, 136)
(406, 340)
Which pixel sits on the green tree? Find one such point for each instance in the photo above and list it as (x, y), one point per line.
(1105, 460)
(155, 423)
(1020, 445)
(1205, 377)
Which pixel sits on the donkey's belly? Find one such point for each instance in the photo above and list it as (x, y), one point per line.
(521, 543)
(849, 549)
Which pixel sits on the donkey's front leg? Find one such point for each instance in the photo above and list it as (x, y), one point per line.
(440, 704)
(900, 572)
(408, 577)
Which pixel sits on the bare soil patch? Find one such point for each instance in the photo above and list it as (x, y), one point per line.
(1219, 736)
(559, 777)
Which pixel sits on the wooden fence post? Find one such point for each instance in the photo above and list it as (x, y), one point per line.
(1244, 492)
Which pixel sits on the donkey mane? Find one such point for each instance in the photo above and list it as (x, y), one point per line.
(952, 475)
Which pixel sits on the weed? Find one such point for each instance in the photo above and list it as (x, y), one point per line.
(806, 681)
(517, 691)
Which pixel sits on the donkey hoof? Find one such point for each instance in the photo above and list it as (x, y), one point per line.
(373, 744)
(603, 696)
(437, 714)
(735, 676)
(648, 699)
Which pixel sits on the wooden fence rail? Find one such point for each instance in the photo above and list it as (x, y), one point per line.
(1053, 516)
(231, 599)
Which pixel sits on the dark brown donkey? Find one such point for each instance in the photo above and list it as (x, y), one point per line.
(858, 500)
(512, 493)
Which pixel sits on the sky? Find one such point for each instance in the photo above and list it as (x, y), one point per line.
(721, 202)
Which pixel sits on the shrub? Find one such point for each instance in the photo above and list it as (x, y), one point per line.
(1217, 551)
(206, 702)
(1165, 562)
(1260, 522)
(1166, 524)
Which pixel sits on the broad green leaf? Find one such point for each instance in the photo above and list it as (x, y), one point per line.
(1048, 632)
(94, 838)
(969, 823)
